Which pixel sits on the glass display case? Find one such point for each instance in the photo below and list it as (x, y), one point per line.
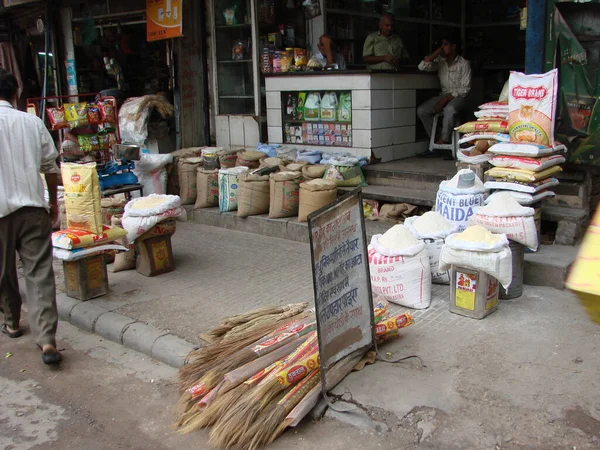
(317, 118)
(234, 59)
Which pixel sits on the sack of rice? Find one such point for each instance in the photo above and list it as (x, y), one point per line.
(399, 266)
(173, 168)
(313, 171)
(478, 249)
(228, 188)
(456, 203)
(314, 195)
(496, 126)
(253, 195)
(284, 194)
(271, 163)
(82, 197)
(207, 182)
(188, 173)
(111, 207)
(504, 215)
(249, 158)
(125, 260)
(292, 166)
(532, 103)
(432, 229)
(227, 158)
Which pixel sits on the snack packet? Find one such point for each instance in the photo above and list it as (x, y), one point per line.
(93, 114)
(107, 111)
(56, 116)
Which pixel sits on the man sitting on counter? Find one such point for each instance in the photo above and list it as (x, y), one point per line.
(383, 49)
(455, 80)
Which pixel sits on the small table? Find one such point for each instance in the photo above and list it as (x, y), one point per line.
(126, 189)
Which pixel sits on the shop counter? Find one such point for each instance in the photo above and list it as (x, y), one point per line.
(360, 111)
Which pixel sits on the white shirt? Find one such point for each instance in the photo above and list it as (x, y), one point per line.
(455, 78)
(26, 150)
(339, 60)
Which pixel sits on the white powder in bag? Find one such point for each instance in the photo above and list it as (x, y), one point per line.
(431, 222)
(398, 237)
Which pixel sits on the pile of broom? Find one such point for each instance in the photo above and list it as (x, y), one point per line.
(260, 374)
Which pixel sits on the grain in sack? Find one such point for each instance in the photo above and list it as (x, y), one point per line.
(250, 159)
(227, 158)
(432, 229)
(524, 163)
(228, 188)
(285, 194)
(253, 195)
(504, 215)
(207, 185)
(456, 204)
(507, 173)
(399, 266)
(527, 150)
(82, 197)
(477, 248)
(188, 173)
(523, 198)
(314, 195)
(496, 126)
(532, 107)
(313, 171)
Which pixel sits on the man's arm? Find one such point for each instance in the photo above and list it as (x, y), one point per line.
(465, 81)
(368, 53)
(428, 64)
(327, 50)
(49, 168)
(52, 184)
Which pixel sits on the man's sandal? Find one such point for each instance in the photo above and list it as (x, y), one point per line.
(11, 334)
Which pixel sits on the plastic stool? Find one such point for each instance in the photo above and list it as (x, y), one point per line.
(453, 145)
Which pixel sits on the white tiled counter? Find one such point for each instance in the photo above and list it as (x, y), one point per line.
(384, 109)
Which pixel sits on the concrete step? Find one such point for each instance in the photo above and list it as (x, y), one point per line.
(411, 173)
(548, 267)
(394, 194)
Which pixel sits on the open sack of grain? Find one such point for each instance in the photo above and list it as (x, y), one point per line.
(432, 229)
(399, 265)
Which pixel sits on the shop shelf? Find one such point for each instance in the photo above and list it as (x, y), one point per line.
(300, 122)
(233, 61)
(236, 96)
(237, 25)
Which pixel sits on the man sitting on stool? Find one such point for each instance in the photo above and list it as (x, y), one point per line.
(455, 79)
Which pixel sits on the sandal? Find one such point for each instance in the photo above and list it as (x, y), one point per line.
(51, 357)
(11, 334)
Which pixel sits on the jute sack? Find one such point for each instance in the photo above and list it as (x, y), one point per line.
(253, 195)
(250, 159)
(270, 162)
(126, 260)
(292, 166)
(314, 195)
(173, 168)
(284, 193)
(227, 158)
(313, 171)
(207, 183)
(187, 169)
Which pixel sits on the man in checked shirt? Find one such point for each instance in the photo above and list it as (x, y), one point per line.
(455, 79)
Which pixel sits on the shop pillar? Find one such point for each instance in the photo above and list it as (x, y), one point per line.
(536, 35)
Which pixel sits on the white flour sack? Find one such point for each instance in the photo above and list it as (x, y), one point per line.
(457, 205)
(522, 197)
(432, 229)
(478, 249)
(399, 266)
(505, 215)
(532, 107)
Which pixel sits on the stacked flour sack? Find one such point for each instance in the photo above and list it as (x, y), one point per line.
(526, 166)
(85, 235)
(432, 229)
(490, 128)
(399, 266)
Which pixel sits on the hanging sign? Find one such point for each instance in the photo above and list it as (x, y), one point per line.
(163, 19)
(341, 279)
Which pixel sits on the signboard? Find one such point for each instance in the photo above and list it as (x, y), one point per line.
(341, 279)
(163, 19)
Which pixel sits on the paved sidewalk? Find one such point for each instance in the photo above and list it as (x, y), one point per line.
(520, 378)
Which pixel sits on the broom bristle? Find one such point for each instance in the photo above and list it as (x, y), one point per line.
(261, 433)
(219, 407)
(183, 406)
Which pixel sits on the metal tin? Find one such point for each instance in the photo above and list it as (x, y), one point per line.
(473, 293)
(516, 285)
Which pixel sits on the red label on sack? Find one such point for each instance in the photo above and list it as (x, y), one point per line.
(529, 93)
(296, 373)
(380, 329)
(75, 178)
(401, 321)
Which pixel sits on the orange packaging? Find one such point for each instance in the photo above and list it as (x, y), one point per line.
(296, 372)
(393, 324)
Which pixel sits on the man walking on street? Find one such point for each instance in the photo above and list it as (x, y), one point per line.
(26, 150)
(455, 79)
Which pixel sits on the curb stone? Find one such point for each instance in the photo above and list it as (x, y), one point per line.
(124, 330)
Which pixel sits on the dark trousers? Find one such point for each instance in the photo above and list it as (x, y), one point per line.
(28, 232)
